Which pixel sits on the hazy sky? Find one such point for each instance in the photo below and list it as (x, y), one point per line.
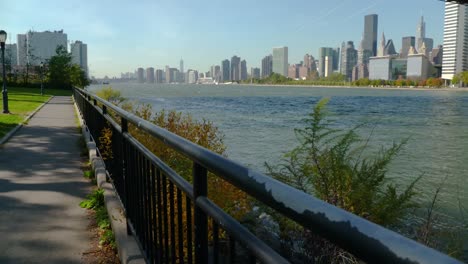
(124, 35)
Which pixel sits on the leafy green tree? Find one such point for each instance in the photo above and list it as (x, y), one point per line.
(62, 73)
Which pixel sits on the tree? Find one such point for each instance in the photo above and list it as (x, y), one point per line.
(62, 73)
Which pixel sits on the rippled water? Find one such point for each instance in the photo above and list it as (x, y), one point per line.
(258, 123)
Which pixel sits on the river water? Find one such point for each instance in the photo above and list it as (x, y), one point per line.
(258, 123)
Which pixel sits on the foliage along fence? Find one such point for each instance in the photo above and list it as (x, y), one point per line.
(174, 221)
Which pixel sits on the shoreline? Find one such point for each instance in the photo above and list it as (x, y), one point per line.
(399, 88)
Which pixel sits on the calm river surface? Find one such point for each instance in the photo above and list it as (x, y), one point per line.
(258, 123)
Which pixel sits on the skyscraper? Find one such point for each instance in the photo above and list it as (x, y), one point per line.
(36, 47)
(381, 49)
(326, 52)
(181, 65)
(455, 55)
(235, 68)
(370, 33)
(225, 71)
(159, 76)
(348, 59)
(280, 61)
(389, 48)
(140, 75)
(243, 70)
(420, 33)
(406, 44)
(267, 66)
(79, 52)
(150, 75)
(255, 73)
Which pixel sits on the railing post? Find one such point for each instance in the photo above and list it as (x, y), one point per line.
(200, 188)
(104, 110)
(124, 124)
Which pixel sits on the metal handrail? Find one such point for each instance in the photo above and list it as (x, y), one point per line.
(366, 240)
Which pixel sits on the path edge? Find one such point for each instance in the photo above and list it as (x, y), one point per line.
(7, 137)
(128, 250)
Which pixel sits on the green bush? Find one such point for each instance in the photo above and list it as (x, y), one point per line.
(94, 200)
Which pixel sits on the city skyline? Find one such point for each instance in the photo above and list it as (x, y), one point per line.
(161, 33)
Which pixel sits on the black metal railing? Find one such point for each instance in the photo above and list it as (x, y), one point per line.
(171, 218)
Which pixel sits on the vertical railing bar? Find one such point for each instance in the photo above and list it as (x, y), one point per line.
(188, 205)
(172, 222)
(215, 242)
(165, 218)
(160, 224)
(147, 179)
(252, 259)
(201, 220)
(232, 250)
(180, 225)
(153, 223)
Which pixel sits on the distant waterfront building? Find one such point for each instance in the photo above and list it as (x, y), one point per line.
(181, 69)
(140, 75)
(21, 58)
(36, 47)
(235, 68)
(192, 76)
(304, 72)
(267, 66)
(243, 70)
(370, 33)
(418, 67)
(348, 59)
(421, 38)
(455, 55)
(381, 48)
(436, 55)
(11, 56)
(380, 68)
(328, 65)
(225, 70)
(325, 52)
(255, 73)
(406, 44)
(159, 76)
(171, 75)
(280, 61)
(79, 52)
(150, 75)
(389, 48)
(293, 71)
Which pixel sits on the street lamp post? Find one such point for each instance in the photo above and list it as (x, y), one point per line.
(42, 74)
(3, 36)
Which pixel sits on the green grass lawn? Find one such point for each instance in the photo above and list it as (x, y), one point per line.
(21, 102)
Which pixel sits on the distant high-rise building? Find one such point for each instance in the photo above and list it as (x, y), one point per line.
(420, 33)
(328, 66)
(225, 70)
(235, 68)
(36, 47)
(348, 59)
(304, 72)
(267, 66)
(455, 55)
(159, 76)
(181, 69)
(280, 60)
(363, 54)
(255, 73)
(370, 33)
(79, 52)
(436, 55)
(150, 75)
(406, 44)
(11, 55)
(389, 48)
(22, 43)
(192, 76)
(243, 70)
(140, 75)
(381, 49)
(293, 71)
(327, 52)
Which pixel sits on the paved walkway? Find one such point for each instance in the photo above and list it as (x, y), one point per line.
(41, 186)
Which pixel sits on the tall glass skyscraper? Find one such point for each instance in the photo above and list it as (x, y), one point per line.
(280, 61)
(370, 33)
(455, 55)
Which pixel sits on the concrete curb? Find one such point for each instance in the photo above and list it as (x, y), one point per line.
(5, 138)
(128, 249)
